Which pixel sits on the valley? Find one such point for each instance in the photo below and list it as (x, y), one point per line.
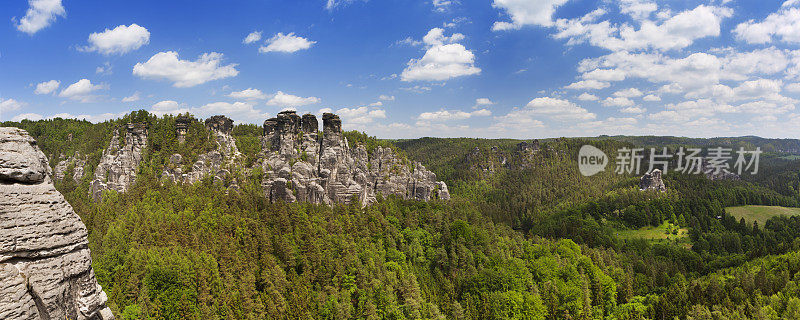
(189, 223)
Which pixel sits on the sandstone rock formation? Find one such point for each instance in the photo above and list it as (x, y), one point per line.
(212, 163)
(301, 165)
(120, 161)
(489, 161)
(45, 266)
(652, 181)
(528, 147)
(182, 127)
(78, 163)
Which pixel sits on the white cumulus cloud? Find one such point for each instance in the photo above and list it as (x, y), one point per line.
(783, 24)
(168, 107)
(82, 91)
(185, 73)
(526, 12)
(554, 108)
(676, 32)
(286, 43)
(28, 116)
(617, 102)
(239, 111)
(588, 84)
(134, 97)
(443, 60)
(651, 97)
(252, 37)
(634, 109)
(483, 102)
(360, 115)
(793, 87)
(248, 94)
(10, 105)
(629, 93)
(447, 115)
(282, 99)
(40, 14)
(120, 40)
(47, 87)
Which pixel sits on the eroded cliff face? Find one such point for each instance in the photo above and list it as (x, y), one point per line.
(487, 162)
(301, 165)
(652, 181)
(45, 265)
(120, 161)
(77, 161)
(213, 163)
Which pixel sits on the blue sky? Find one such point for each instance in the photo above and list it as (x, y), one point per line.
(404, 69)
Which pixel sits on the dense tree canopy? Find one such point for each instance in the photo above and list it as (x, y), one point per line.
(524, 237)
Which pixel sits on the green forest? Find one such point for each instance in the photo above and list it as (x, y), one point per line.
(528, 239)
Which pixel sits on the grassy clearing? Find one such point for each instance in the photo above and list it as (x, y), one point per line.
(666, 231)
(760, 213)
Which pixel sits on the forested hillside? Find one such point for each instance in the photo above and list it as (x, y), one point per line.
(524, 236)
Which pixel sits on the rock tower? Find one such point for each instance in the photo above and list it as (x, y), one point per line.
(45, 265)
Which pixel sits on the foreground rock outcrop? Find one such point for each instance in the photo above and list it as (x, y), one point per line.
(120, 161)
(302, 165)
(45, 266)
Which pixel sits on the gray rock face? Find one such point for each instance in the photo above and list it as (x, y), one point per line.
(45, 265)
(301, 166)
(118, 166)
(77, 161)
(525, 146)
(488, 162)
(213, 163)
(652, 181)
(17, 162)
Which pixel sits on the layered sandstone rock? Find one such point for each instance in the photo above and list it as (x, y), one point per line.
(652, 181)
(489, 161)
(120, 161)
(302, 166)
(213, 163)
(45, 265)
(78, 163)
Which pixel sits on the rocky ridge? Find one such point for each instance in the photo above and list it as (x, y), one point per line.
(45, 264)
(300, 163)
(303, 165)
